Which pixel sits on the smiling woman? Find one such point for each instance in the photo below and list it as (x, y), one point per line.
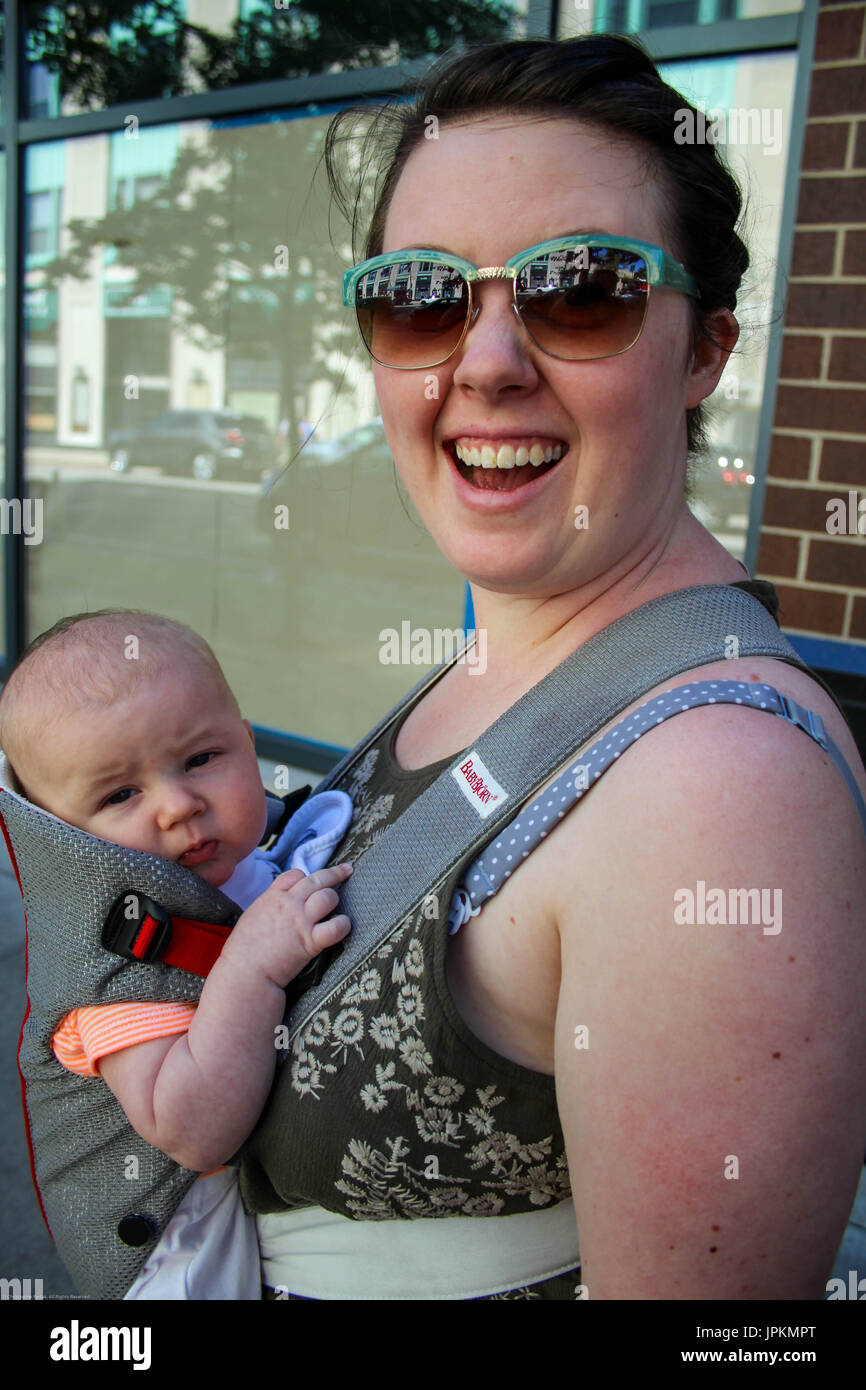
(690, 1100)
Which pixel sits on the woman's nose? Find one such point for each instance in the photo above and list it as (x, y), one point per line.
(495, 351)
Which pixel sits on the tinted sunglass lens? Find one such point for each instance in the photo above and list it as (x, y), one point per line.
(412, 314)
(583, 302)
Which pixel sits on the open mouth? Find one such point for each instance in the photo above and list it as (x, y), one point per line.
(505, 467)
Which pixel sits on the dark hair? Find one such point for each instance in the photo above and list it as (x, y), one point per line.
(606, 80)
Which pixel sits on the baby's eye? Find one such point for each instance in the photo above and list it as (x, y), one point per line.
(199, 759)
(118, 798)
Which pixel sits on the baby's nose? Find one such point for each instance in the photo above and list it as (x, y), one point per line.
(176, 802)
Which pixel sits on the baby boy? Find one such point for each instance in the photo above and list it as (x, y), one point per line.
(122, 724)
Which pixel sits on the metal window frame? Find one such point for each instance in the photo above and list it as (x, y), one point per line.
(793, 31)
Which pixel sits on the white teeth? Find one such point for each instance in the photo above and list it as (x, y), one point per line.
(507, 457)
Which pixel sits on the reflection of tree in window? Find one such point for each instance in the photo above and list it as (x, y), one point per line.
(106, 53)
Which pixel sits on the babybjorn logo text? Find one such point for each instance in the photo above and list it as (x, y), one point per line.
(478, 785)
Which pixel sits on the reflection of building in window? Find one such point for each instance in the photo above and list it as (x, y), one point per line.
(42, 223)
(197, 390)
(42, 92)
(128, 191)
(40, 361)
(80, 400)
(629, 16)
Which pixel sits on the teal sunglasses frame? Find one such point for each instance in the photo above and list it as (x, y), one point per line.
(662, 269)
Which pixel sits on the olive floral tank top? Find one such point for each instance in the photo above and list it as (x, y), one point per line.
(389, 1106)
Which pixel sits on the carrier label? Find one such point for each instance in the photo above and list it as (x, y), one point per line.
(480, 788)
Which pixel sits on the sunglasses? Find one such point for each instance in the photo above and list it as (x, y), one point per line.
(578, 297)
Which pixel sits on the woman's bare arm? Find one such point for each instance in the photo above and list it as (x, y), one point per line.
(715, 1121)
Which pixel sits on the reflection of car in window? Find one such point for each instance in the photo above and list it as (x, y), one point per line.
(725, 481)
(362, 449)
(202, 444)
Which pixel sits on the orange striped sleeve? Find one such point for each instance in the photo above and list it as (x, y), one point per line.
(87, 1034)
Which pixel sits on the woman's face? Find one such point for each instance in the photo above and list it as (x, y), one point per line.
(486, 190)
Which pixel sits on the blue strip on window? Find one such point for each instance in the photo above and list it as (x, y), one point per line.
(826, 655)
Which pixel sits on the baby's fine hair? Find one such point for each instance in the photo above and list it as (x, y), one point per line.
(90, 660)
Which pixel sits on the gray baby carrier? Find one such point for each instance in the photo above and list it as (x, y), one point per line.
(104, 922)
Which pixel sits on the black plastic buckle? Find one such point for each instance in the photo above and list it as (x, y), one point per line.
(312, 973)
(121, 931)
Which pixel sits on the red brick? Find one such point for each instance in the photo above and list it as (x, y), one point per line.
(813, 253)
(811, 610)
(789, 456)
(822, 409)
(860, 146)
(832, 199)
(838, 560)
(825, 145)
(801, 356)
(854, 253)
(795, 508)
(838, 36)
(838, 91)
(843, 461)
(847, 359)
(777, 556)
(826, 306)
(858, 620)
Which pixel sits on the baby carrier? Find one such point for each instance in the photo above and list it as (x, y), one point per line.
(106, 924)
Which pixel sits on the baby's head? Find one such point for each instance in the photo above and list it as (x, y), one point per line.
(121, 723)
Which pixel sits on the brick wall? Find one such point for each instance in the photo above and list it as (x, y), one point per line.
(818, 447)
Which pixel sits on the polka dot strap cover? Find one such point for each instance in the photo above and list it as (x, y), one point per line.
(516, 841)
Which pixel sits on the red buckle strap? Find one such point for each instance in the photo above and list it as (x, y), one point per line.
(139, 929)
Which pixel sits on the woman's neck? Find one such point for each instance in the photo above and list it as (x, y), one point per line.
(525, 638)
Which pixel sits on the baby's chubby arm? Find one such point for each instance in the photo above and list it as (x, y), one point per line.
(197, 1096)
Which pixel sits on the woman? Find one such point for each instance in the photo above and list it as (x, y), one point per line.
(711, 1132)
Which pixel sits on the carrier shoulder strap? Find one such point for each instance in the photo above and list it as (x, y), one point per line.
(470, 801)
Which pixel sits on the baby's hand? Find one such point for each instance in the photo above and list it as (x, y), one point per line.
(282, 931)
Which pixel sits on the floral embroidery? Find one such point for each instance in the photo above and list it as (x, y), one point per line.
(384, 1187)
(445, 1152)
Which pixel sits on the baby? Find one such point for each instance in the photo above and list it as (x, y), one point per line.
(122, 723)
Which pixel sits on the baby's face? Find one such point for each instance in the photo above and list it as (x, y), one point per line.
(170, 769)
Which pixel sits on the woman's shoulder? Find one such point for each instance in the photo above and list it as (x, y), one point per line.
(716, 772)
(743, 726)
